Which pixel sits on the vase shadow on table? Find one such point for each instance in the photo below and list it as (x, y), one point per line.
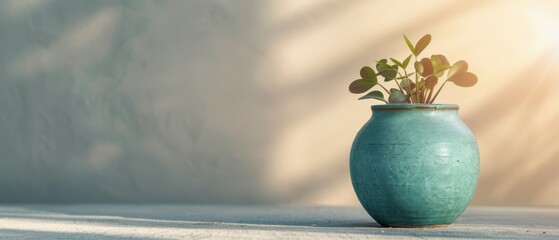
(340, 220)
(203, 215)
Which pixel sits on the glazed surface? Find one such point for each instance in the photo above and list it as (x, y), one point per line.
(414, 165)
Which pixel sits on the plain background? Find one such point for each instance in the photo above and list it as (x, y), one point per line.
(220, 101)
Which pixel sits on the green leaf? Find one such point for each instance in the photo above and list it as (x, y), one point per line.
(431, 81)
(422, 44)
(361, 86)
(439, 60)
(374, 95)
(439, 72)
(407, 83)
(368, 73)
(418, 67)
(397, 62)
(387, 71)
(440, 64)
(436, 61)
(464, 79)
(382, 65)
(406, 62)
(410, 46)
(427, 67)
(389, 75)
(444, 61)
(459, 67)
(397, 97)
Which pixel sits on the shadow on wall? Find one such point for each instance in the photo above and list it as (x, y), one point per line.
(103, 101)
(523, 157)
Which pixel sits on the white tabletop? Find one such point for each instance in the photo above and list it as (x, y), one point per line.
(125, 221)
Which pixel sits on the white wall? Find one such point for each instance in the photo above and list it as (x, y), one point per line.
(246, 101)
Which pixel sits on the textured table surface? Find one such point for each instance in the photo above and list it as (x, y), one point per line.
(125, 221)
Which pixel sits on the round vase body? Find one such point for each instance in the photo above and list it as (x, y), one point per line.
(414, 165)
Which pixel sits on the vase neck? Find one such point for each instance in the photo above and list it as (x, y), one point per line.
(422, 109)
(415, 106)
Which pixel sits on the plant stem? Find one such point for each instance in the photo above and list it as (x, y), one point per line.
(421, 95)
(401, 90)
(408, 89)
(416, 76)
(384, 88)
(430, 94)
(410, 94)
(437, 94)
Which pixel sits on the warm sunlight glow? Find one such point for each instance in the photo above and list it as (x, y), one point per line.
(544, 17)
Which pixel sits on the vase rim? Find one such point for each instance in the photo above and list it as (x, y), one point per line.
(408, 106)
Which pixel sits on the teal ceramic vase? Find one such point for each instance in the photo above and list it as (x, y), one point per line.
(414, 165)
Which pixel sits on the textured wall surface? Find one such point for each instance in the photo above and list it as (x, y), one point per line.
(246, 101)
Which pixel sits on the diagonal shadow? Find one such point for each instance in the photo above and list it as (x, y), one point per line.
(512, 179)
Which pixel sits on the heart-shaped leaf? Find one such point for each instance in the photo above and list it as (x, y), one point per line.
(361, 86)
(427, 67)
(440, 64)
(410, 46)
(368, 73)
(441, 59)
(397, 97)
(374, 95)
(382, 65)
(439, 72)
(459, 67)
(387, 71)
(431, 81)
(422, 44)
(464, 79)
(418, 67)
(444, 60)
(389, 75)
(406, 84)
(436, 61)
